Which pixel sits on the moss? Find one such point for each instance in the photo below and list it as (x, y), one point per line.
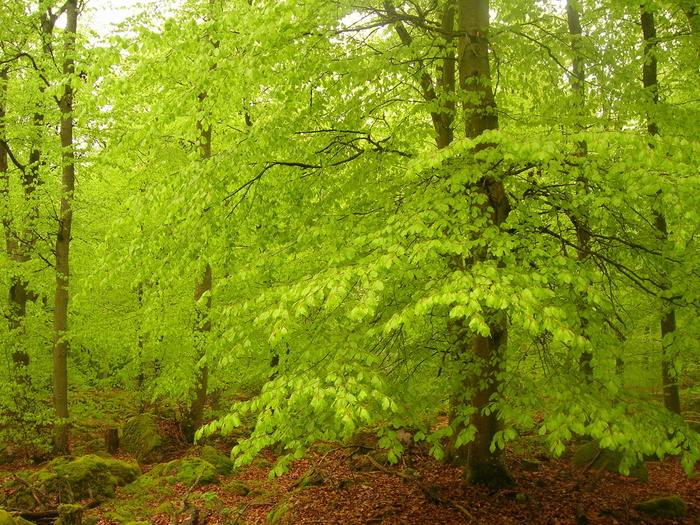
(663, 508)
(592, 453)
(73, 479)
(322, 449)
(141, 438)
(6, 518)
(310, 478)
(124, 472)
(262, 463)
(280, 514)
(187, 471)
(223, 465)
(69, 515)
(237, 488)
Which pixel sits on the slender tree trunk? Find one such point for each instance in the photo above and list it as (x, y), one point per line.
(194, 417)
(63, 238)
(195, 414)
(578, 87)
(19, 242)
(669, 376)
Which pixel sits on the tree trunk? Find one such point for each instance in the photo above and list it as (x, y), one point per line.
(578, 87)
(472, 62)
(63, 238)
(18, 244)
(195, 414)
(669, 376)
(193, 418)
(484, 465)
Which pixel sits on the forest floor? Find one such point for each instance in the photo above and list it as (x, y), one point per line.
(346, 489)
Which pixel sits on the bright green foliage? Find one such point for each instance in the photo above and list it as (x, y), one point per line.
(351, 253)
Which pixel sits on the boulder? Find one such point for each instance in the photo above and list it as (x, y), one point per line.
(188, 471)
(72, 479)
(6, 518)
(663, 508)
(141, 438)
(237, 488)
(281, 514)
(222, 464)
(608, 459)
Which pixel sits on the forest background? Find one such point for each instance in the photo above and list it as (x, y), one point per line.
(371, 215)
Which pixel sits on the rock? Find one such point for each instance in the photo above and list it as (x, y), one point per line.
(281, 514)
(223, 465)
(591, 452)
(188, 471)
(321, 448)
(69, 515)
(694, 424)
(141, 438)
(310, 478)
(529, 465)
(6, 518)
(237, 488)
(73, 480)
(262, 463)
(663, 508)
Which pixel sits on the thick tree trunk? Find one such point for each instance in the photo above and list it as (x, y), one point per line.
(484, 465)
(486, 354)
(63, 238)
(669, 377)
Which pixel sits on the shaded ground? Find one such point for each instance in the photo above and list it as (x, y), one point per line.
(555, 495)
(346, 493)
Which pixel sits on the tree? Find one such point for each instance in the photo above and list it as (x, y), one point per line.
(63, 236)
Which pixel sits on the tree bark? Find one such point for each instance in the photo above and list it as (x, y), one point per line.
(484, 465)
(19, 242)
(63, 239)
(195, 414)
(669, 376)
(479, 109)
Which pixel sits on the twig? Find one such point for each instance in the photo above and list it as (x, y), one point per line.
(33, 490)
(430, 492)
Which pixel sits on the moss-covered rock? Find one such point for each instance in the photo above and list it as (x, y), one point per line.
(529, 465)
(141, 438)
(261, 462)
(72, 479)
(663, 508)
(223, 465)
(592, 454)
(187, 471)
(310, 478)
(237, 488)
(281, 514)
(69, 515)
(6, 518)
